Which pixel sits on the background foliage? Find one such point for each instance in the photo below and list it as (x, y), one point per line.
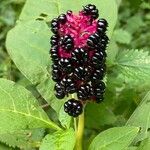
(128, 79)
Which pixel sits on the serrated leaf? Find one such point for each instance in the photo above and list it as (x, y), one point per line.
(122, 36)
(64, 118)
(18, 106)
(50, 9)
(24, 139)
(141, 118)
(117, 138)
(133, 66)
(61, 140)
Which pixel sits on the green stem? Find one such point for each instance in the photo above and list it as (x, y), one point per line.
(79, 133)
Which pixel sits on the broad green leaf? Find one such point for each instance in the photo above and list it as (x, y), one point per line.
(48, 9)
(24, 139)
(141, 117)
(30, 52)
(145, 145)
(133, 66)
(61, 140)
(117, 138)
(21, 109)
(64, 118)
(101, 111)
(122, 36)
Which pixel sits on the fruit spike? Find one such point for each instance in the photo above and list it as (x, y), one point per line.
(78, 55)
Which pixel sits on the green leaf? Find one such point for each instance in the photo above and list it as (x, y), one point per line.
(24, 139)
(114, 138)
(134, 23)
(64, 118)
(122, 36)
(44, 9)
(131, 148)
(30, 52)
(141, 117)
(145, 145)
(18, 106)
(101, 111)
(112, 51)
(4, 147)
(61, 140)
(133, 66)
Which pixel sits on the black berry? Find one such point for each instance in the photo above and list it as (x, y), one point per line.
(60, 91)
(82, 73)
(99, 57)
(73, 107)
(84, 92)
(54, 39)
(56, 73)
(91, 10)
(54, 53)
(102, 26)
(55, 25)
(65, 64)
(67, 43)
(79, 56)
(93, 40)
(62, 18)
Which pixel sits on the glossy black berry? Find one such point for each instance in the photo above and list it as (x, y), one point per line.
(82, 73)
(56, 73)
(59, 91)
(98, 73)
(60, 94)
(102, 26)
(91, 10)
(68, 84)
(104, 41)
(93, 40)
(65, 64)
(99, 86)
(54, 53)
(69, 12)
(99, 98)
(54, 40)
(62, 18)
(67, 43)
(84, 92)
(79, 56)
(55, 25)
(99, 57)
(73, 107)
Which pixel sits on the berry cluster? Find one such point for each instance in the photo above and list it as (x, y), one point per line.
(78, 54)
